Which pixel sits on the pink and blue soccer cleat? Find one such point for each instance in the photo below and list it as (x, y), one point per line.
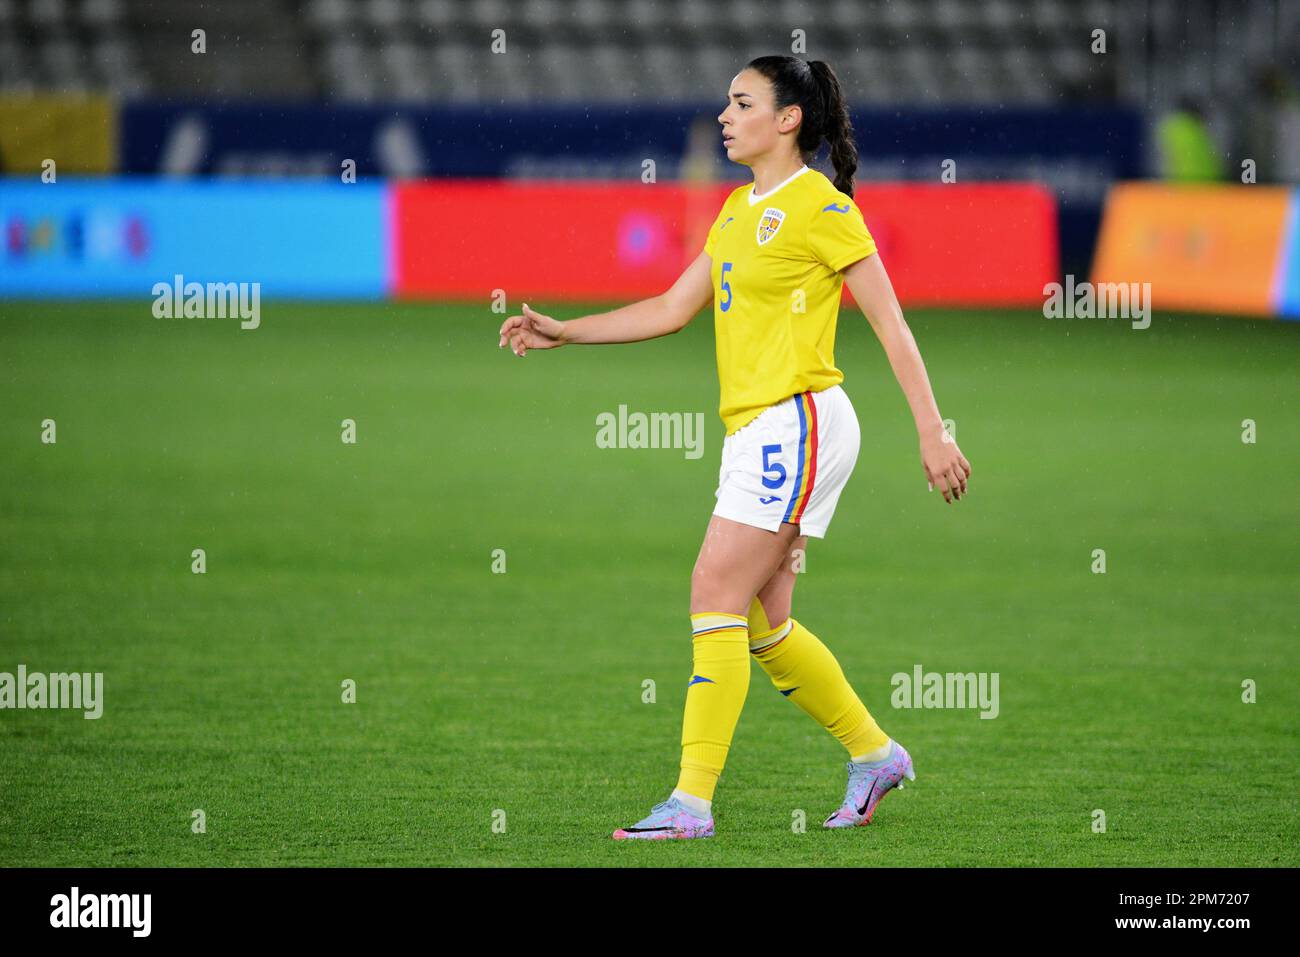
(667, 820)
(868, 785)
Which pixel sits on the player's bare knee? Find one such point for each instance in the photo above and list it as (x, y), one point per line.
(713, 593)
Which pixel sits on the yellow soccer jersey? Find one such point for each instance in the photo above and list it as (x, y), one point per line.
(776, 290)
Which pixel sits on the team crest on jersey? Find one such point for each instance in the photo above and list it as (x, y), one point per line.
(769, 223)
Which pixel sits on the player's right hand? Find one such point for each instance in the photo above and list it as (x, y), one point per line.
(532, 330)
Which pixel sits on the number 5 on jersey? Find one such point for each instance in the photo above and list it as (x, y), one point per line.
(778, 478)
(726, 304)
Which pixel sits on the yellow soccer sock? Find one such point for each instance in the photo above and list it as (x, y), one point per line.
(757, 620)
(804, 670)
(714, 699)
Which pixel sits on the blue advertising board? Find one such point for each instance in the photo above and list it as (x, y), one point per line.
(81, 238)
(1287, 285)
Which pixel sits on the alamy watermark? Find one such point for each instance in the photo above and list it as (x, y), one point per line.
(75, 909)
(656, 430)
(933, 689)
(75, 690)
(214, 300)
(1103, 300)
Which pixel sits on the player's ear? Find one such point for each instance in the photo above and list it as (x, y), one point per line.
(791, 118)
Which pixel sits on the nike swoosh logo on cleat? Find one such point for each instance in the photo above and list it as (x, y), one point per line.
(867, 802)
(645, 830)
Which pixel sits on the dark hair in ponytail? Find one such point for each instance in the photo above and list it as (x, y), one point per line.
(815, 88)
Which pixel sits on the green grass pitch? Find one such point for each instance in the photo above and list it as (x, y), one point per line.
(523, 691)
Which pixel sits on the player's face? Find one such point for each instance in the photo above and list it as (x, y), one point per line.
(750, 123)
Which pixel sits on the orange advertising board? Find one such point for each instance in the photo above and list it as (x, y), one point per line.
(1202, 248)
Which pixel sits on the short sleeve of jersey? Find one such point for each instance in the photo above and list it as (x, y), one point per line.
(838, 236)
(712, 237)
(722, 217)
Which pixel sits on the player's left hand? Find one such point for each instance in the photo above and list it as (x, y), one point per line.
(944, 465)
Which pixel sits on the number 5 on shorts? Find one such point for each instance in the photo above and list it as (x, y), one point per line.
(776, 467)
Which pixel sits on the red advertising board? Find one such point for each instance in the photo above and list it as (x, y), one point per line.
(951, 244)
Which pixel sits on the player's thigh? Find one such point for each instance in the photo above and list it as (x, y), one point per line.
(777, 595)
(735, 561)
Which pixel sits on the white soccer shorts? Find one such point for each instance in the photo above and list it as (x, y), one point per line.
(790, 463)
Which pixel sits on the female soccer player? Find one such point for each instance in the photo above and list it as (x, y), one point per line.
(773, 265)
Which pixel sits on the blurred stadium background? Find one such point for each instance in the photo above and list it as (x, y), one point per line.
(1010, 92)
(394, 181)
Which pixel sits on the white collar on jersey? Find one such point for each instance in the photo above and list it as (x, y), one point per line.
(754, 197)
